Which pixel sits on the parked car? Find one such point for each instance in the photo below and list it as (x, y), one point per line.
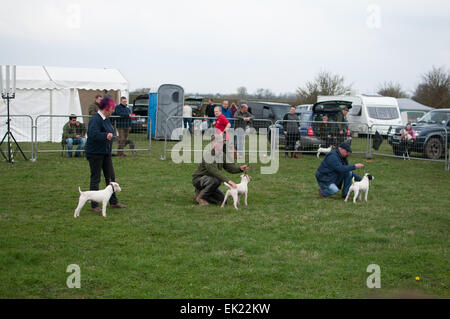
(303, 117)
(270, 111)
(309, 128)
(303, 107)
(310, 138)
(370, 110)
(430, 135)
(139, 108)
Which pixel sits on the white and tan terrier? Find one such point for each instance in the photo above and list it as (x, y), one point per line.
(101, 196)
(359, 187)
(242, 189)
(324, 150)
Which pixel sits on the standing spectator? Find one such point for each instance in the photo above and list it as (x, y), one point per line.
(227, 112)
(233, 108)
(123, 125)
(187, 117)
(210, 111)
(342, 126)
(198, 111)
(291, 128)
(243, 119)
(93, 108)
(74, 133)
(222, 124)
(408, 133)
(98, 150)
(325, 131)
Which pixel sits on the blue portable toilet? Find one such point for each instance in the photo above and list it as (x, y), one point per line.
(152, 106)
(166, 110)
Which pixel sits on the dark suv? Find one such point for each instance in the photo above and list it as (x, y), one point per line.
(140, 109)
(430, 135)
(269, 111)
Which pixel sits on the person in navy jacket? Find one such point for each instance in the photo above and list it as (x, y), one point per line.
(123, 125)
(335, 171)
(98, 149)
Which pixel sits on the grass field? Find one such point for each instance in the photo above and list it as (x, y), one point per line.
(288, 243)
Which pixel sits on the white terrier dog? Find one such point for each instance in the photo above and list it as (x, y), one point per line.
(324, 150)
(101, 196)
(241, 189)
(408, 137)
(359, 187)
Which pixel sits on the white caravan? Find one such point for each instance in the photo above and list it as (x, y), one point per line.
(376, 112)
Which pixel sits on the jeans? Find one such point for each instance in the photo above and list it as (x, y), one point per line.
(80, 141)
(239, 141)
(331, 189)
(186, 122)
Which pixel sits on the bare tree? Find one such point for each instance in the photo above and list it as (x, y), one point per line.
(392, 89)
(434, 90)
(264, 94)
(242, 92)
(324, 84)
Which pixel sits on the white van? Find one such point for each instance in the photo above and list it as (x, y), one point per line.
(370, 110)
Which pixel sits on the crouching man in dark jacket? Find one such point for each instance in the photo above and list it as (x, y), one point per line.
(208, 176)
(335, 171)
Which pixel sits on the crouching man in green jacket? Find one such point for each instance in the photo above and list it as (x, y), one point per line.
(208, 177)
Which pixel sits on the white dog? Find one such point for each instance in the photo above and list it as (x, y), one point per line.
(408, 137)
(324, 150)
(359, 187)
(241, 189)
(101, 196)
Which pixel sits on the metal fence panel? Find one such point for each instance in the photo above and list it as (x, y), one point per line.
(431, 144)
(203, 126)
(49, 131)
(309, 136)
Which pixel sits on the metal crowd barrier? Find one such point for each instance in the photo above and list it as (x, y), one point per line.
(199, 128)
(21, 127)
(312, 134)
(49, 130)
(428, 146)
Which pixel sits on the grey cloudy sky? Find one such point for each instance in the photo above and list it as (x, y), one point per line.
(217, 46)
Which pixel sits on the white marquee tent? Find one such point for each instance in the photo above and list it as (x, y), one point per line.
(44, 90)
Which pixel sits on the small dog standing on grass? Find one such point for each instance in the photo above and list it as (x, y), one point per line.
(101, 196)
(297, 148)
(324, 150)
(242, 189)
(359, 187)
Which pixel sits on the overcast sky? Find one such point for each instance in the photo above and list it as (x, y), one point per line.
(209, 46)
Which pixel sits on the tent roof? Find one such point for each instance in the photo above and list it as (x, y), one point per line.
(408, 104)
(48, 77)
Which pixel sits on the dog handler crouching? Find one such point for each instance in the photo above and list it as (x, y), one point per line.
(335, 171)
(208, 177)
(98, 150)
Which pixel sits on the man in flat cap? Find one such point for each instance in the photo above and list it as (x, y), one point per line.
(335, 171)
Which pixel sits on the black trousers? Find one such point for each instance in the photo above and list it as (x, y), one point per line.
(209, 189)
(99, 163)
(291, 138)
